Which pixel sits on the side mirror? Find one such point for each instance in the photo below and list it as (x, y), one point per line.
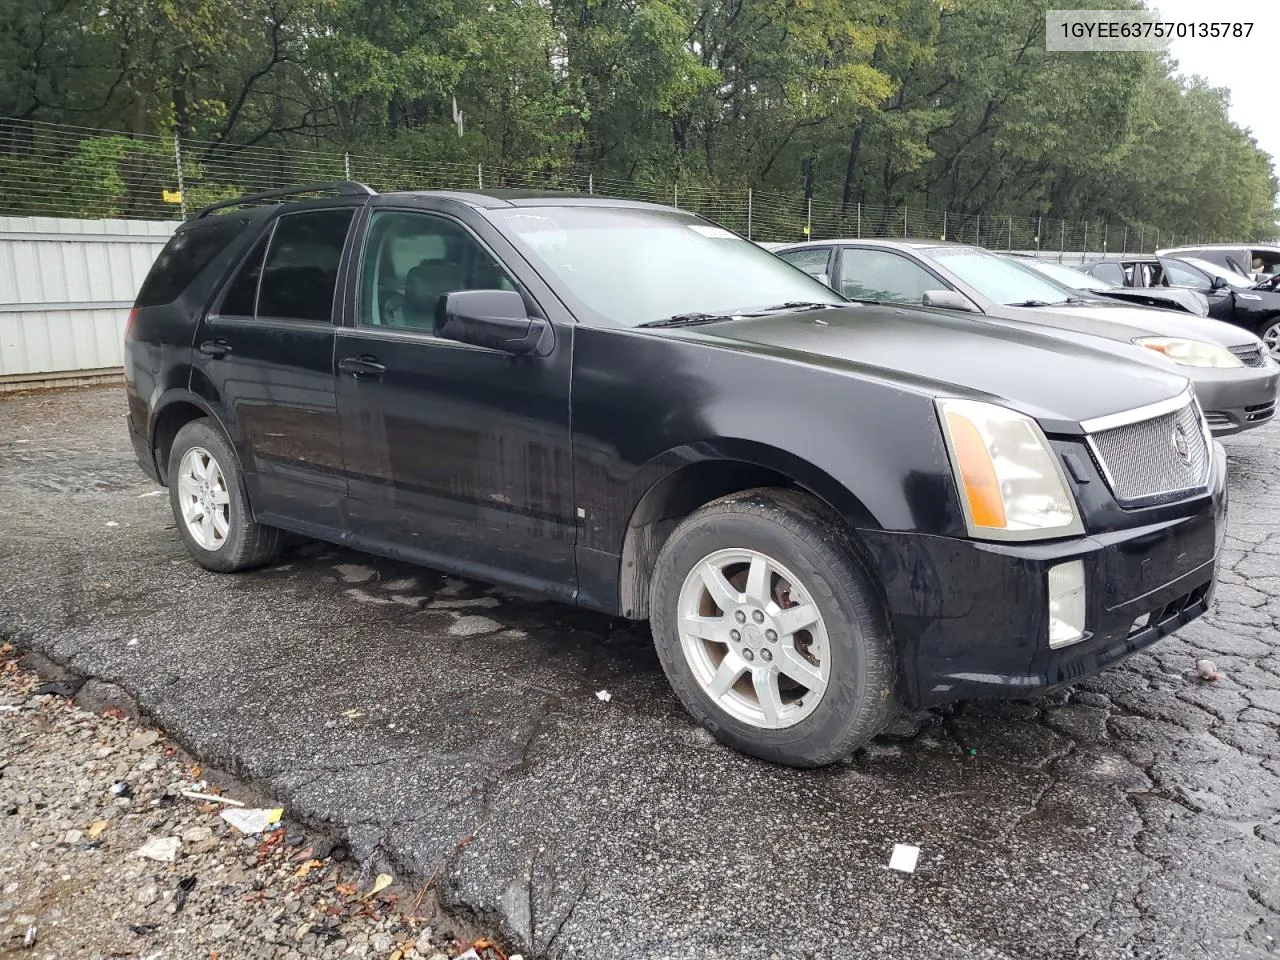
(1217, 283)
(496, 319)
(948, 300)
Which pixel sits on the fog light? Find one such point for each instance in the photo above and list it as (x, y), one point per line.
(1066, 603)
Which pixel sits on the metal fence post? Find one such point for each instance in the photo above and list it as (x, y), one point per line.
(479, 176)
(591, 183)
(748, 213)
(1085, 247)
(346, 166)
(1010, 246)
(944, 224)
(1157, 246)
(859, 219)
(1062, 247)
(808, 220)
(904, 222)
(977, 229)
(675, 194)
(1124, 244)
(177, 159)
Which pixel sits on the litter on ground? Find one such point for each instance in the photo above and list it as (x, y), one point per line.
(904, 857)
(164, 849)
(604, 696)
(252, 820)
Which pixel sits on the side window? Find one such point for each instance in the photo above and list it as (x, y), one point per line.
(411, 260)
(1112, 272)
(880, 275)
(184, 258)
(1179, 276)
(300, 273)
(241, 299)
(812, 261)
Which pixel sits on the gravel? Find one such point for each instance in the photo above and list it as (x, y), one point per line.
(82, 794)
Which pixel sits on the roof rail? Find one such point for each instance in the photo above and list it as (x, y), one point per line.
(343, 188)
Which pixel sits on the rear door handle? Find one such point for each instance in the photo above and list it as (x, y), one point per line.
(365, 366)
(215, 348)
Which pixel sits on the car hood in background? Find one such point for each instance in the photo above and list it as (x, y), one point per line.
(1191, 301)
(1054, 379)
(1121, 322)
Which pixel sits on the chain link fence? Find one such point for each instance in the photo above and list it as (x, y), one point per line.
(59, 170)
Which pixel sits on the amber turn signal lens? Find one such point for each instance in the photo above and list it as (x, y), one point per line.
(977, 473)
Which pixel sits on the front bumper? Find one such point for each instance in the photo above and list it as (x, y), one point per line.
(971, 619)
(1234, 400)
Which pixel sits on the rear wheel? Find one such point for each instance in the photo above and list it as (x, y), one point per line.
(210, 506)
(769, 630)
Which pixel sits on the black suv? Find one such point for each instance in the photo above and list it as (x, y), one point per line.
(824, 508)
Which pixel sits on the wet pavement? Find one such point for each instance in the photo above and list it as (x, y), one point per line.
(453, 730)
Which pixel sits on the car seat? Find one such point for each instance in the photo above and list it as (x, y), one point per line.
(426, 283)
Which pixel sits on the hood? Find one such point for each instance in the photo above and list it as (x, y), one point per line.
(1190, 300)
(1122, 322)
(1058, 381)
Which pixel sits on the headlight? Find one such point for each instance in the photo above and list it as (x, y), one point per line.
(1010, 481)
(1190, 353)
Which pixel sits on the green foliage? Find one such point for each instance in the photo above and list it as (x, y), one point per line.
(848, 104)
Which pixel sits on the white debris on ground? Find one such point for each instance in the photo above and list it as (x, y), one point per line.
(904, 857)
(102, 855)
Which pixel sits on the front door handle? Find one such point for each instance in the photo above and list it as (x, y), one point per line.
(215, 348)
(365, 366)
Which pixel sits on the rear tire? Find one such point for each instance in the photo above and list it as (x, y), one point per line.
(770, 631)
(210, 506)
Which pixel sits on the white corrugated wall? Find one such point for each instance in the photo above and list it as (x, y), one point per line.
(66, 287)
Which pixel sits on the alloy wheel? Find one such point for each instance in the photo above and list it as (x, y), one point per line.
(205, 499)
(754, 638)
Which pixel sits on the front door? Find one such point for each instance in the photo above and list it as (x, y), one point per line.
(264, 360)
(457, 456)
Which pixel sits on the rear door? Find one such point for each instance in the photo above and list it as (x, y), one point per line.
(265, 361)
(457, 455)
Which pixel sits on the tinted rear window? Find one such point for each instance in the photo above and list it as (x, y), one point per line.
(301, 270)
(183, 259)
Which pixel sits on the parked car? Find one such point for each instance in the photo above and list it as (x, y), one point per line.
(1234, 380)
(1089, 287)
(630, 408)
(1232, 297)
(1251, 260)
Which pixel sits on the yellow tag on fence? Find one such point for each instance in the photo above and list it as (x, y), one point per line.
(172, 196)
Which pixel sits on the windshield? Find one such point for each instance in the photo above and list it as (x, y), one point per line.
(635, 265)
(999, 279)
(1233, 279)
(1068, 276)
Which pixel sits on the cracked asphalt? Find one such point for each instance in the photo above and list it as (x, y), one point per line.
(452, 731)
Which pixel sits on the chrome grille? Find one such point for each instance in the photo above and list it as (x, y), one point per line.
(1142, 463)
(1248, 354)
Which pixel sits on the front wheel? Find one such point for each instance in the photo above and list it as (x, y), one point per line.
(1269, 331)
(769, 630)
(209, 503)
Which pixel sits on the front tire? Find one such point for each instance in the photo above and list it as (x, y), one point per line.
(1269, 332)
(769, 630)
(210, 507)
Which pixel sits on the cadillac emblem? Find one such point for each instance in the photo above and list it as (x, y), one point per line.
(1181, 445)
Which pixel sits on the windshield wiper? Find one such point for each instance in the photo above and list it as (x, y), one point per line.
(687, 319)
(797, 305)
(1033, 303)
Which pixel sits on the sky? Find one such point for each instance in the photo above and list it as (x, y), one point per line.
(1246, 67)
